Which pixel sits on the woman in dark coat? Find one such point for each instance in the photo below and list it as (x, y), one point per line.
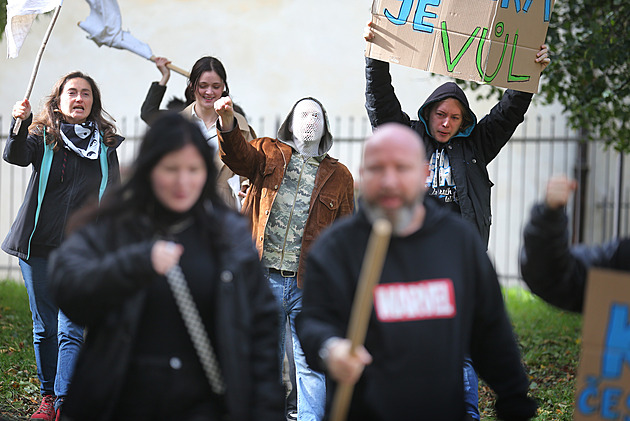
(71, 146)
(139, 361)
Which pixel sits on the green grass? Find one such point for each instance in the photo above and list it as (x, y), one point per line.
(19, 387)
(549, 340)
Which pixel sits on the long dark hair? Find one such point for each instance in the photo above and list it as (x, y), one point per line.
(135, 198)
(51, 117)
(204, 64)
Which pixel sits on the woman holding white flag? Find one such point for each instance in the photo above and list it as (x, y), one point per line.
(206, 84)
(71, 146)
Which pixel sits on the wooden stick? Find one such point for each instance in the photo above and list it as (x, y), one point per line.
(38, 60)
(371, 270)
(174, 68)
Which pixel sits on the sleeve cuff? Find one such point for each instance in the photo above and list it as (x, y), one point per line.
(234, 126)
(324, 350)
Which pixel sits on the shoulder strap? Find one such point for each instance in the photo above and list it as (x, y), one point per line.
(104, 169)
(44, 172)
(195, 327)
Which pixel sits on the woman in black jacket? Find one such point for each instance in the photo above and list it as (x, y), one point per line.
(71, 146)
(139, 361)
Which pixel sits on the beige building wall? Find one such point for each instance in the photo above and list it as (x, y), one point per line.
(274, 51)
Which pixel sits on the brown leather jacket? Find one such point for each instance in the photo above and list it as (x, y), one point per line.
(264, 161)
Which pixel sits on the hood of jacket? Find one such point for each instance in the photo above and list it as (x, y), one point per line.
(444, 91)
(286, 136)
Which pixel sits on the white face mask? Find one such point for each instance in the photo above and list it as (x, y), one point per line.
(307, 124)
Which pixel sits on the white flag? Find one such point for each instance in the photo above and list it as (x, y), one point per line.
(20, 17)
(104, 26)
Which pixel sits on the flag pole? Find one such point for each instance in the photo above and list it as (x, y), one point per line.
(173, 68)
(369, 276)
(38, 60)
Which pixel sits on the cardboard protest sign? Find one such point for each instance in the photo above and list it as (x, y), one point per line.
(488, 41)
(603, 382)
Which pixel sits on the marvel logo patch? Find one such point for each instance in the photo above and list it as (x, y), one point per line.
(400, 302)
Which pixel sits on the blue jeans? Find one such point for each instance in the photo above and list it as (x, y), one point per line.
(56, 339)
(471, 389)
(311, 385)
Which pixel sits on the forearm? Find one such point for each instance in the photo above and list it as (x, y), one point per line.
(320, 318)
(151, 105)
(87, 281)
(238, 154)
(548, 267)
(494, 350)
(18, 149)
(516, 104)
(498, 127)
(380, 99)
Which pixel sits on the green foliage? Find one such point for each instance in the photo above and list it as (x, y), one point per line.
(590, 63)
(19, 386)
(550, 345)
(589, 72)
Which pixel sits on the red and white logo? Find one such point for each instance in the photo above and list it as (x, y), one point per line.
(407, 301)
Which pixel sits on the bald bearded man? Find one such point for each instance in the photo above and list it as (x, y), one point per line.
(437, 301)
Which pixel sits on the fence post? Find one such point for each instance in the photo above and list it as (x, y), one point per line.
(581, 175)
(618, 199)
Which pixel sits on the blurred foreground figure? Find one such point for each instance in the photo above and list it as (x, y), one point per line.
(551, 268)
(139, 361)
(437, 300)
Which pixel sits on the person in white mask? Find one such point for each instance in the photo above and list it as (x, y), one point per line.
(296, 190)
(307, 126)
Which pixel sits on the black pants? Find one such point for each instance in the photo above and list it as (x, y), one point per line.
(155, 390)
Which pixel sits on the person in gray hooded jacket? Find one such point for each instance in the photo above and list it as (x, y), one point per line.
(296, 190)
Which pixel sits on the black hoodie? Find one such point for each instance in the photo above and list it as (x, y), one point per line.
(417, 346)
(469, 152)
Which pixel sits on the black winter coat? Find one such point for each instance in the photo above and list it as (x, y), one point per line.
(469, 152)
(71, 182)
(555, 271)
(150, 108)
(97, 277)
